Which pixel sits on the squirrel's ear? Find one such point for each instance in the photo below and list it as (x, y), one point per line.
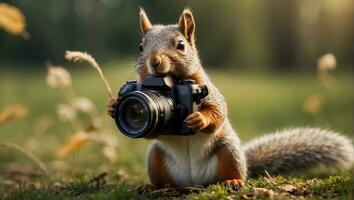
(187, 25)
(145, 24)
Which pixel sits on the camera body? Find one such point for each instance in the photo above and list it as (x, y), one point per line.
(158, 106)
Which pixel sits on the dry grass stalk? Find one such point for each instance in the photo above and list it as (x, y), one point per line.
(313, 104)
(42, 124)
(325, 64)
(110, 153)
(28, 154)
(83, 104)
(58, 77)
(13, 112)
(77, 56)
(67, 113)
(12, 20)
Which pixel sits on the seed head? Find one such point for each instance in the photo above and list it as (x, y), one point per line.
(66, 112)
(327, 62)
(83, 104)
(58, 77)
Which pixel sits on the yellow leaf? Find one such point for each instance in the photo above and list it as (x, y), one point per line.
(13, 112)
(74, 143)
(12, 20)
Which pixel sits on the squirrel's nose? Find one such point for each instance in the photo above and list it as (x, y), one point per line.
(155, 61)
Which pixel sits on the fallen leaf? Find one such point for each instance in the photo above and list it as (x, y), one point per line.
(260, 193)
(75, 142)
(288, 188)
(13, 112)
(294, 189)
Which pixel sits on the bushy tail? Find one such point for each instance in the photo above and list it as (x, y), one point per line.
(298, 149)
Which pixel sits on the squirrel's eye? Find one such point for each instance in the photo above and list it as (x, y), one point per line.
(180, 45)
(141, 48)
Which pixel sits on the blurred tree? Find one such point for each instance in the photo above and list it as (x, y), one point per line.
(281, 15)
(243, 34)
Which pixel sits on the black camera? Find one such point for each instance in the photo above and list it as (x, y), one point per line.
(158, 106)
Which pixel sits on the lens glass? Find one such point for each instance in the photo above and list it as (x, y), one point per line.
(135, 114)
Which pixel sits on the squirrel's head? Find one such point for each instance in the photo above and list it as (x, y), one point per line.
(168, 49)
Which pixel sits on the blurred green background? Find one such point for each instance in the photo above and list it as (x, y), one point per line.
(243, 34)
(261, 54)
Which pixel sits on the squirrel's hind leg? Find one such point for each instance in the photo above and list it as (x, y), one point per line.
(157, 170)
(231, 169)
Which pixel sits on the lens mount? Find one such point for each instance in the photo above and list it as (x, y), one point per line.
(136, 114)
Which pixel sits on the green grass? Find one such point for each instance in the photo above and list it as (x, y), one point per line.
(338, 187)
(258, 104)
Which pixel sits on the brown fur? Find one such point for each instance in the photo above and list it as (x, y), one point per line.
(213, 116)
(227, 168)
(158, 171)
(197, 77)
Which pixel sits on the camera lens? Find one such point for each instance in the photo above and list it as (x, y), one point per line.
(135, 115)
(143, 113)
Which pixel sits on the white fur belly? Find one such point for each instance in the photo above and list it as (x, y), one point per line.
(187, 163)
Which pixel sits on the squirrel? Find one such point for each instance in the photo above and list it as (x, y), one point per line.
(215, 154)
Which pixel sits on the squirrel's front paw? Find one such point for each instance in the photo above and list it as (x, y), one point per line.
(196, 121)
(111, 104)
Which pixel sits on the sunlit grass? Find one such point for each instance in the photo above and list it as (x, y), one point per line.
(257, 103)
